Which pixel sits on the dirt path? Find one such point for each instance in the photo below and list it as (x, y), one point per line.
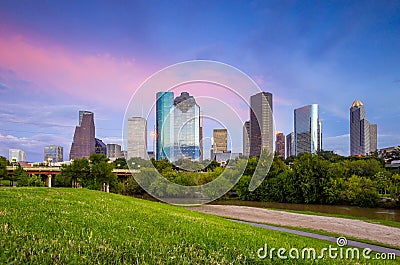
(346, 227)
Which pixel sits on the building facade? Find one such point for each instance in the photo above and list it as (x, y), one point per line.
(246, 138)
(16, 155)
(220, 141)
(261, 123)
(280, 144)
(363, 135)
(290, 146)
(100, 147)
(164, 125)
(114, 151)
(53, 153)
(137, 137)
(307, 130)
(186, 136)
(84, 143)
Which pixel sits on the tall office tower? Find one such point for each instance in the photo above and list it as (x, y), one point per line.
(201, 137)
(164, 124)
(363, 135)
(186, 134)
(290, 150)
(16, 155)
(246, 138)
(220, 141)
(53, 153)
(261, 123)
(84, 142)
(100, 148)
(280, 144)
(114, 151)
(137, 137)
(307, 130)
(373, 138)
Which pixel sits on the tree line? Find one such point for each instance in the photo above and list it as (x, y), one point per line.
(323, 178)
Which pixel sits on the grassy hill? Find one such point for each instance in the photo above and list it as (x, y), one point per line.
(79, 226)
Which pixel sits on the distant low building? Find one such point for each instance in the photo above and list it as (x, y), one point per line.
(53, 154)
(114, 151)
(223, 158)
(16, 155)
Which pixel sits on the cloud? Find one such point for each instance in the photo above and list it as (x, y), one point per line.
(340, 144)
(51, 69)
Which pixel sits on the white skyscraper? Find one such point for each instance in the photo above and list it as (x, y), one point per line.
(16, 155)
(137, 137)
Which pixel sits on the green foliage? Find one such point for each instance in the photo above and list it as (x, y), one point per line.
(101, 172)
(120, 163)
(33, 180)
(3, 168)
(325, 178)
(361, 191)
(311, 171)
(76, 172)
(131, 187)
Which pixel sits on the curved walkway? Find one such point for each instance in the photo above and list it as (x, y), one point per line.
(342, 226)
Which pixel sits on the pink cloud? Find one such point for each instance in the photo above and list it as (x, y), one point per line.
(100, 78)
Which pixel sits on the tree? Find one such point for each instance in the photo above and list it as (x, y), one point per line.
(361, 191)
(3, 168)
(101, 172)
(120, 163)
(26, 180)
(19, 173)
(311, 171)
(72, 175)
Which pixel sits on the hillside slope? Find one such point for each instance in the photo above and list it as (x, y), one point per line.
(79, 226)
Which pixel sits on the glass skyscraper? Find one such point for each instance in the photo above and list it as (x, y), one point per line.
(290, 145)
(186, 120)
(307, 130)
(53, 153)
(261, 124)
(178, 127)
(363, 135)
(164, 124)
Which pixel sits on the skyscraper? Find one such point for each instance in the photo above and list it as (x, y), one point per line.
(261, 123)
(84, 142)
(246, 138)
(16, 155)
(164, 124)
(220, 141)
(137, 137)
(114, 151)
(201, 137)
(290, 146)
(307, 130)
(100, 147)
(53, 153)
(186, 120)
(373, 138)
(280, 144)
(363, 135)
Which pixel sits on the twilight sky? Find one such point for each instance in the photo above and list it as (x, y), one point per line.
(59, 57)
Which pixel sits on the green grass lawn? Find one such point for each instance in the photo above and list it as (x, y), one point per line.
(78, 226)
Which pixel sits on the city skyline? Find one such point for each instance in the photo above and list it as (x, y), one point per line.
(55, 61)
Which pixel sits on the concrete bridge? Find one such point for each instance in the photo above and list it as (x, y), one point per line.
(52, 171)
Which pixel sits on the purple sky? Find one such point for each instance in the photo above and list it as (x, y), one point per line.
(59, 57)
